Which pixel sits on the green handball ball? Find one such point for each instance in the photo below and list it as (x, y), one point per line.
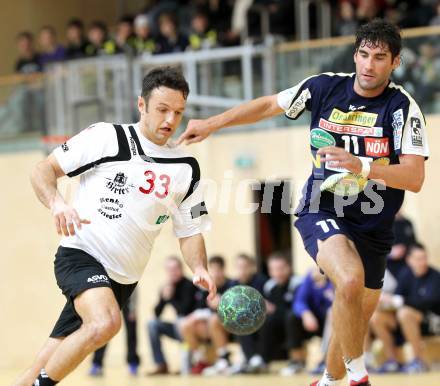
(242, 310)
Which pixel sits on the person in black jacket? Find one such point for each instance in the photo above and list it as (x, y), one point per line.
(417, 304)
(179, 292)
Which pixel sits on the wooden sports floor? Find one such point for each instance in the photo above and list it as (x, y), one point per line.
(119, 377)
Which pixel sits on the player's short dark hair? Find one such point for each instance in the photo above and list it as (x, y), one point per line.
(98, 25)
(218, 260)
(169, 77)
(279, 256)
(126, 19)
(415, 246)
(378, 33)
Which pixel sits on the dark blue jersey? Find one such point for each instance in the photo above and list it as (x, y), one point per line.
(377, 129)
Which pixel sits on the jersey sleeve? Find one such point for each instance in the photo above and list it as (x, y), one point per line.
(191, 216)
(296, 99)
(87, 148)
(409, 129)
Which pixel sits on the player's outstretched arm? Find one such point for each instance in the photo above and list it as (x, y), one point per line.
(44, 181)
(246, 113)
(194, 253)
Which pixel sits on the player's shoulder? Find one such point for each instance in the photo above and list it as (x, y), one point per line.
(400, 96)
(328, 78)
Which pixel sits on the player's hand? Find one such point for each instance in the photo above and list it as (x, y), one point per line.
(338, 157)
(65, 218)
(202, 279)
(213, 304)
(196, 130)
(310, 322)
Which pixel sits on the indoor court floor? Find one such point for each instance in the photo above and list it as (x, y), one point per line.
(119, 377)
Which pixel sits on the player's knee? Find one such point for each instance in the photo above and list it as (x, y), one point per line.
(102, 330)
(351, 289)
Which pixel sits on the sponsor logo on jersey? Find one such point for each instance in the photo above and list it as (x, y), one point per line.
(320, 138)
(133, 146)
(65, 147)
(354, 108)
(377, 147)
(397, 126)
(350, 129)
(353, 118)
(318, 166)
(416, 132)
(119, 184)
(110, 208)
(162, 219)
(98, 279)
(298, 104)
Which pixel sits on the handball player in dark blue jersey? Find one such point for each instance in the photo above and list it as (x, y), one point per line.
(369, 145)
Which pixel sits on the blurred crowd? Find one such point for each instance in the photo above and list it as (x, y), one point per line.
(298, 309)
(177, 26)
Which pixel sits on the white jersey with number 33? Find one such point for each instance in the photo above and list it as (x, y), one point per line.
(129, 187)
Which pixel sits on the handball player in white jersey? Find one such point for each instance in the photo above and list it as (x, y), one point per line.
(131, 182)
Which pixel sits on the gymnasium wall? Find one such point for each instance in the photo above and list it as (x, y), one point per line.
(29, 298)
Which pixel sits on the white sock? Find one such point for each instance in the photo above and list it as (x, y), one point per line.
(356, 369)
(328, 380)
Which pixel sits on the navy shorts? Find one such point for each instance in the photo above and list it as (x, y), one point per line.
(76, 271)
(372, 246)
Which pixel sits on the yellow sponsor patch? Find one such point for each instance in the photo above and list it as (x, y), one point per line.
(361, 118)
(316, 161)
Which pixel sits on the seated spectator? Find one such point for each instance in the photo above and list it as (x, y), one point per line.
(310, 308)
(50, 50)
(129, 313)
(179, 292)
(144, 42)
(28, 61)
(170, 39)
(76, 41)
(201, 35)
(412, 308)
(125, 37)
(279, 292)
(204, 325)
(99, 42)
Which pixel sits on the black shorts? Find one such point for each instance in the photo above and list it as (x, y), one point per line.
(77, 271)
(373, 246)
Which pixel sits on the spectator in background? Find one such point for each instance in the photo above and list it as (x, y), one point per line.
(129, 313)
(204, 325)
(417, 305)
(125, 37)
(28, 61)
(170, 39)
(50, 50)
(348, 23)
(76, 41)
(99, 43)
(367, 10)
(144, 42)
(179, 292)
(279, 292)
(310, 308)
(427, 73)
(202, 35)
